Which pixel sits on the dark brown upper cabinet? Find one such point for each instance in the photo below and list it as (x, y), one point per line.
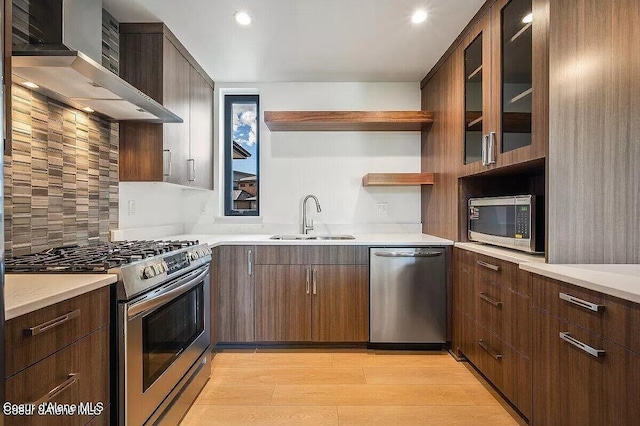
(506, 86)
(152, 59)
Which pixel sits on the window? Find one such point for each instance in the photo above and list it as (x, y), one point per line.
(241, 150)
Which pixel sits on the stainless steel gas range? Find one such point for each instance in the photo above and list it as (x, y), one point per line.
(163, 319)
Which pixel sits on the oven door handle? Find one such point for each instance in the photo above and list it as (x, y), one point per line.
(171, 292)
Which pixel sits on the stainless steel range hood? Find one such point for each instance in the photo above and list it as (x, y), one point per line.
(60, 51)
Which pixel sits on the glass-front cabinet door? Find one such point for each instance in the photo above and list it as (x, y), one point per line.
(516, 19)
(476, 76)
(473, 101)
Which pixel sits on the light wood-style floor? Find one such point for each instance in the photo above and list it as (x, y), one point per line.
(345, 387)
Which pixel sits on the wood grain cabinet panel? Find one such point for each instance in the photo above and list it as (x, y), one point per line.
(283, 303)
(616, 320)
(236, 294)
(200, 131)
(83, 366)
(312, 255)
(494, 323)
(153, 60)
(215, 296)
(176, 91)
(340, 303)
(55, 326)
(573, 387)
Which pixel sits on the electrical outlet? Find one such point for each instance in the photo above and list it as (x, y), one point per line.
(132, 207)
(383, 209)
(203, 208)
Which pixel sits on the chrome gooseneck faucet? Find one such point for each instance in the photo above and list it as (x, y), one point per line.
(306, 227)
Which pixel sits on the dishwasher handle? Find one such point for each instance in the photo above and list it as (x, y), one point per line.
(408, 254)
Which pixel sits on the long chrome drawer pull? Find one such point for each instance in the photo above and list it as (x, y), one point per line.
(489, 300)
(308, 272)
(315, 281)
(408, 254)
(73, 377)
(578, 344)
(33, 331)
(582, 303)
(484, 346)
(488, 265)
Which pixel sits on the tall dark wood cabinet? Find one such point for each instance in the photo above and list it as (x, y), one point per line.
(489, 97)
(152, 59)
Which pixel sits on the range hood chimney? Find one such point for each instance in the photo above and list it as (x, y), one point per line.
(57, 45)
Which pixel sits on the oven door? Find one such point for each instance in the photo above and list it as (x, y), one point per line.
(165, 333)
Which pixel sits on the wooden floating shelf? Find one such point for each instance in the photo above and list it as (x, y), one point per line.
(339, 121)
(397, 179)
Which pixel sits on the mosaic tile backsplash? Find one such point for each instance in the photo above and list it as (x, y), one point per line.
(61, 180)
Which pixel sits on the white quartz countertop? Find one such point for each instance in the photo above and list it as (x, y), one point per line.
(409, 240)
(26, 293)
(621, 281)
(505, 254)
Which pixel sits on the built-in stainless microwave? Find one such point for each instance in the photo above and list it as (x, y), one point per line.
(515, 222)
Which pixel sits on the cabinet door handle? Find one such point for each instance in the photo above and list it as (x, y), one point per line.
(597, 353)
(489, 266)
(192, 169)
(484, 346)
(250, 262)
(166, 160)
(582, 303)
(308, 272)
(487, 299)
(72, 379)
(485, 159)
(315, 281)
(491, 149)
(33, 331)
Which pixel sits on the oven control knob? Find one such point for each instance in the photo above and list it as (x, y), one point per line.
(158, 268)
(149, 272)
(194, 255)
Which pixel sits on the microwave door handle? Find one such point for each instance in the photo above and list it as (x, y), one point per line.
(169, 294)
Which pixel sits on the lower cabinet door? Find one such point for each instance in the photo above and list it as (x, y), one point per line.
(76, 374)
(340, 295)
(283, 303)
(580, 378)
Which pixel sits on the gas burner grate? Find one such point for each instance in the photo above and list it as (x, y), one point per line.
(93, 258)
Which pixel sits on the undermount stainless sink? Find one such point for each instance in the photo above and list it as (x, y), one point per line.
(302, 237)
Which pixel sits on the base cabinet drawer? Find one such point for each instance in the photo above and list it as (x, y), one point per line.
(505, 313)
(508, 370)
(77, 374)
(581, 378)
(38, 334)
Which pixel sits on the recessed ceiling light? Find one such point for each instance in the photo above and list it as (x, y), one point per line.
(528, 19)
(419, 16)
(30, 85)
(87, 109)
(242, 18)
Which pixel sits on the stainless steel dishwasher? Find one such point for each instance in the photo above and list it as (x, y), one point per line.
(408, 290)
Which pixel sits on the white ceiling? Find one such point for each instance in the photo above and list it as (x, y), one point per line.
(308, 40)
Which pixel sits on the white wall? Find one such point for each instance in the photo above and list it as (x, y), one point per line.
(293, 164)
